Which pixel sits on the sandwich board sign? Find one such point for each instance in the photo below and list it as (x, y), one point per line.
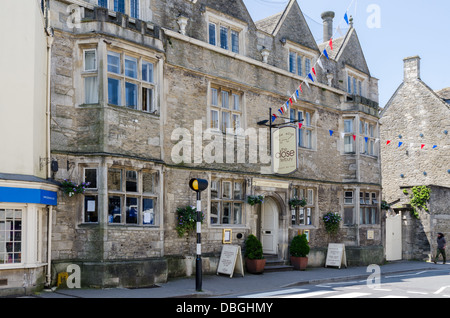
(336, 255)
(230, 260)
(284, 150)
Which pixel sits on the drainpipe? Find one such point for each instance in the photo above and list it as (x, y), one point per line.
(49, 32)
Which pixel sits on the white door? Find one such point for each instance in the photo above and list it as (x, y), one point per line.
(269, 226)
(394, 237)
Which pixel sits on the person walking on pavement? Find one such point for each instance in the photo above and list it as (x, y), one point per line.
(440, 247)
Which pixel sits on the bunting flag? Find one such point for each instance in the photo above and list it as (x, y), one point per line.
(354, 137)
(287, 104)
(319, 62)
(290, 100)
(421, 146)
(293, 96)
(280, 111)
(346, 18)
(326, 54)
(435, 146)
(366, 138)
(300, 125)
(388, 142)
(306, 82)
(400, 143)
(314, 71)
(311, 78)
(274, 117)
(300, 88)
(331, 132)
(331, 44)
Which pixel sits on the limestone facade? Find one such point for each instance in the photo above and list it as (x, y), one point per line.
(419, 119)
(140, 103)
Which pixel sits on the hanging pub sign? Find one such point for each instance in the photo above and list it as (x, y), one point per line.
(284, 150)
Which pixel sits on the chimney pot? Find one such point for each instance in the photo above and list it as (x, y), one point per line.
(327, 18)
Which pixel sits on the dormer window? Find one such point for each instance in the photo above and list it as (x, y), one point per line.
(299, 60)
(226, 33)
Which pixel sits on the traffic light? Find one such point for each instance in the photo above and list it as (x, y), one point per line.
(198, 185)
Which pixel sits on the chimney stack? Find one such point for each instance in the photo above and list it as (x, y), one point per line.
(327, 18)
(411, 68)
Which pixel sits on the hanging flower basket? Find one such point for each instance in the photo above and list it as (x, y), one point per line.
(187, 220)
(71, 188)
(295, 202)
(255, 199)
(332, 221)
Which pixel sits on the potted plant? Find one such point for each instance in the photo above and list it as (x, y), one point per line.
(254, 259)
(299, 250)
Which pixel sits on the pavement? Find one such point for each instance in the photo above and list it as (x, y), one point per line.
(222, 286)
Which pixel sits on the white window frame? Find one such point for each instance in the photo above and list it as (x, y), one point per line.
(90, 74)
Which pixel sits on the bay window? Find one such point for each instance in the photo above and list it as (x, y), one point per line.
(130, 82)
(11, 236)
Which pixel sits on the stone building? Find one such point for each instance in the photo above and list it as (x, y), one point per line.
(27, 196)
(415, 151)
(148, 94)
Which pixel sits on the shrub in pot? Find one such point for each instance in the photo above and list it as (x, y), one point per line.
(299, 250)
(254, 259)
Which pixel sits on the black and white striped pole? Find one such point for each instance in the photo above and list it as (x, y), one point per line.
(198, 185)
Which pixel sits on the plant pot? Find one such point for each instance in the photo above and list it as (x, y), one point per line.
(255, 266)
(299, 263)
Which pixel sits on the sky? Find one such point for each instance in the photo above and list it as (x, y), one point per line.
(389, 31)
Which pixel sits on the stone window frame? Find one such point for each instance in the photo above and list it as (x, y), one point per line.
(90, 195)
(141, 194)
(356, 83)
(219, 20)
(369, 209)
(349, 203)
(309, 210)
(220, 200)
(307, 57)
(139, 81)
(217, 105)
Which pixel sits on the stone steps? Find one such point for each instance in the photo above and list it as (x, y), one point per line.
(274, 264)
